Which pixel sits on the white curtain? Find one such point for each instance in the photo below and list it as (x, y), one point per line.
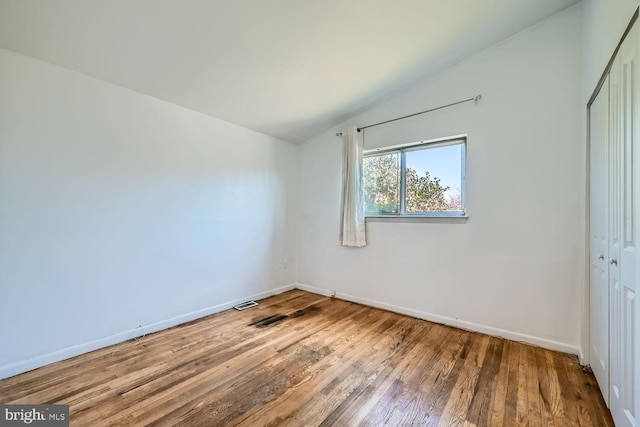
(352, 206)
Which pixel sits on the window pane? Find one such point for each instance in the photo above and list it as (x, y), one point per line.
(434, 179)
(382, 184)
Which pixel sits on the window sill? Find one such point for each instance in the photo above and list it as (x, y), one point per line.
(445, 219)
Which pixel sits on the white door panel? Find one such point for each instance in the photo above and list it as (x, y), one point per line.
(599, 254)
(623, 214)
(615, 211)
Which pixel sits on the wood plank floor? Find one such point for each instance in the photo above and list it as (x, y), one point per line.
(327, 363)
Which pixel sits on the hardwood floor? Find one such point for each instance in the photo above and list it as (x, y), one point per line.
(327, 363)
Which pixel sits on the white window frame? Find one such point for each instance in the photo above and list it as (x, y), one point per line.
(402, 149)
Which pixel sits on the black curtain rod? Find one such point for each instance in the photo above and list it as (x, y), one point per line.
(476, 99)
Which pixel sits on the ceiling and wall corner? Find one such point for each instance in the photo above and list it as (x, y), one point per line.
(605, 21)
(285, 68)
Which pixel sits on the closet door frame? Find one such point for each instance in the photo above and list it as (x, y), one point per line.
(586, 335)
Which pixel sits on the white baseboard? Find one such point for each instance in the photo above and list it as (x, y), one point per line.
(10, 370)
(582, 358)
(450, 321)
(313, 289)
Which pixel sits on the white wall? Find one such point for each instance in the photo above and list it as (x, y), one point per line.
(119, 210)
(513, 268)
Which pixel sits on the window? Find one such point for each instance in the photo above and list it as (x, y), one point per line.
(420, 179)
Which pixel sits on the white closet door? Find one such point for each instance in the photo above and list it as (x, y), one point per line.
(599, 242)
(622, 234)
(615, 211)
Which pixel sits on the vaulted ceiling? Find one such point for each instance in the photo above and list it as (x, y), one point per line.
(287, 68)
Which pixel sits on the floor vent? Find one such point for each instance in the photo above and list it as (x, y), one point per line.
(245, 305)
